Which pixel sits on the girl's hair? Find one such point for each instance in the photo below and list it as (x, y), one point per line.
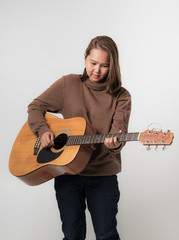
(114, 76)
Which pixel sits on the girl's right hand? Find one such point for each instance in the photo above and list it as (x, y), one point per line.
(47, 140)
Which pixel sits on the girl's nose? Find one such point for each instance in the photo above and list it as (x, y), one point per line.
(97, 68)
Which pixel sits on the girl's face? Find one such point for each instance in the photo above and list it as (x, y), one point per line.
(97, 65)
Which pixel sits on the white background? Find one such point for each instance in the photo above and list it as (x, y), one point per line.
(41, 40)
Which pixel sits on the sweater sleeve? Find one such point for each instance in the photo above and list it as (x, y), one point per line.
(52, 101)
(121, 116)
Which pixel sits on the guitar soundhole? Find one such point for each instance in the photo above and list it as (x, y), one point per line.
(60, 141)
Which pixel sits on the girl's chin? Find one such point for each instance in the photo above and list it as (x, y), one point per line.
(97, 80)
(94, 80)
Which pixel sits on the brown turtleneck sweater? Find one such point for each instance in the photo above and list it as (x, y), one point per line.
(73, 98)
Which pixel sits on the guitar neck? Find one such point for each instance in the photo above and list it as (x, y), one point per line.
(100, 138)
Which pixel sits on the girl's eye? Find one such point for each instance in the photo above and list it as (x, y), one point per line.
(105, 66)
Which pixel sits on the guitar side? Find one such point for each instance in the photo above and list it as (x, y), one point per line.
(71, 160)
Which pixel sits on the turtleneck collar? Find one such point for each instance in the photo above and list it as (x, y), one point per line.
(98, 86)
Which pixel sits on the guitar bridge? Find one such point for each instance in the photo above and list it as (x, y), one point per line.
(37, 146)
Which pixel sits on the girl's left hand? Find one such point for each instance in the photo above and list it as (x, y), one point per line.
(112, 142)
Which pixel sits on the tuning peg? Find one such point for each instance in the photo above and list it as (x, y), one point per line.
(164, 148)
(148, 148)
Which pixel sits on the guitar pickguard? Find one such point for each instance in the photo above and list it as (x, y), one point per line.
(46, 155)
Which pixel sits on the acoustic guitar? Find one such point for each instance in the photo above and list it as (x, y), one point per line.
(73, 146)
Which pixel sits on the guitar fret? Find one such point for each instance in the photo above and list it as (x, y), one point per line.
(96, 139)
(70, 141)
(93, 138)
(84, 139)
(103, 138)
(74, 140)
(100, 138)
(87, 139)
(132, 136)
(127, 136)
(136, 135)
(80, 139)
(120, 137)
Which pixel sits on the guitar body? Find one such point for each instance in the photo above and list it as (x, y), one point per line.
(50, 162)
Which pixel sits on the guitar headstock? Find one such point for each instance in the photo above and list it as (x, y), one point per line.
(151, 137)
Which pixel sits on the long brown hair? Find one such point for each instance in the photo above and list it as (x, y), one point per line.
(114, 76)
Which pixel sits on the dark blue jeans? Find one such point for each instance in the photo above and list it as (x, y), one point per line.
(101, 195)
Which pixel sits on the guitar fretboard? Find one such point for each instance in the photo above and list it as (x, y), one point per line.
(99, 138)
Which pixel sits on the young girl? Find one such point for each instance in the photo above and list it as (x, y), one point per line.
(97, 96)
